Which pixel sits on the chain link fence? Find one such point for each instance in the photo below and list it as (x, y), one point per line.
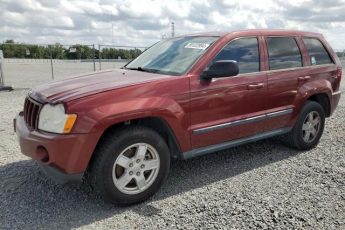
(117, 56)
(29, 65)
(340, 53)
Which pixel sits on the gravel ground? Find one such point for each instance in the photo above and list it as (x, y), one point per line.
(260, 185)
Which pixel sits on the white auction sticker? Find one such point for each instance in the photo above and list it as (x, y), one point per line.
(194, 45)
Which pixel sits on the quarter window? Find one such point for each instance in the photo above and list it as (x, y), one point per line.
(283, 53)
(245, 52)
(317, 53)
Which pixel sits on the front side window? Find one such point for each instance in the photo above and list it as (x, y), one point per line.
(245, 52)
(172, 56)
(317, 53)
(283, 53)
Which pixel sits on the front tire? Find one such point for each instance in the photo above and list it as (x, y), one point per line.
(130, 165)
(308, 129)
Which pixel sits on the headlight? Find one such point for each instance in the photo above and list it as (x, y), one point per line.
(53, 119)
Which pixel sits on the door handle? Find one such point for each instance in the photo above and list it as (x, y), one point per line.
(255, 86)
(305, 78)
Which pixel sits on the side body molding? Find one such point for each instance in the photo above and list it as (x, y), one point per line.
(243, 121)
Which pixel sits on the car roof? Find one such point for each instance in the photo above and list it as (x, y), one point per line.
(273, 32)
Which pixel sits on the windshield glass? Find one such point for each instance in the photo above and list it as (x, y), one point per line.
(173, 56)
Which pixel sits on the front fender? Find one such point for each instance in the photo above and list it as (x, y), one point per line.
(100, 118)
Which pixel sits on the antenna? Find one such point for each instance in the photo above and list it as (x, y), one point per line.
(112, 28)
(173, 29)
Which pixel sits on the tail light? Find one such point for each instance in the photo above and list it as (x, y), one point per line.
(339, 73)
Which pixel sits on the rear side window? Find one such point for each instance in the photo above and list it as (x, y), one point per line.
(283, 53)
(317, 52)
(245, 51)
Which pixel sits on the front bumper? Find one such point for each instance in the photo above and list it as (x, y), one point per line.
(59, 176)
(63, 158)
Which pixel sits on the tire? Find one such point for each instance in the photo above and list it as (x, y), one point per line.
(297, 137)
(116, 161)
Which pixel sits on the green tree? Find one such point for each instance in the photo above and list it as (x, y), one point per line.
(58, 51)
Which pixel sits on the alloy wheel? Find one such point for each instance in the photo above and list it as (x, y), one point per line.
(311, 126)
(136, 168)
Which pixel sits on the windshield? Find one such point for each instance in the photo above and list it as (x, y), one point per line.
(173, 56)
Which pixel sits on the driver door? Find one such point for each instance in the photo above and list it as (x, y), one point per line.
(228, 108)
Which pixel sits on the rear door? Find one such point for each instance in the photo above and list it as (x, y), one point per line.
(231, 107)
(285, 74)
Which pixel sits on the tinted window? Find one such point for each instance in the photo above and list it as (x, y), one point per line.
(317, 53)
(283, 53)
(245, 51)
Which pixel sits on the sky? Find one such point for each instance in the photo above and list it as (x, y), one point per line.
(144, 22)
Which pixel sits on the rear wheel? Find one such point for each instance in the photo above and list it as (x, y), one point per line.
(308, 129)
(130, 165)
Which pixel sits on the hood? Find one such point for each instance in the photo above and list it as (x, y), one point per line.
(80, 86)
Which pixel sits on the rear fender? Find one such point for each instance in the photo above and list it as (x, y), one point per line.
(310, 89)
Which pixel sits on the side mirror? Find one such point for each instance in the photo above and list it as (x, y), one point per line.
(221, 68)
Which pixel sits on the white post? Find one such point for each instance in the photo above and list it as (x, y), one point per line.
(2, 82)
(1, 71)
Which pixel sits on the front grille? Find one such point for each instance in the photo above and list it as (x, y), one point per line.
(31, 112)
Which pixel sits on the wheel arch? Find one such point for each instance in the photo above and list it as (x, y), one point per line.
(158, 124)
(323, 100)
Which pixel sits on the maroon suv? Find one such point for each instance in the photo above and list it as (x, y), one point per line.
(183, 97)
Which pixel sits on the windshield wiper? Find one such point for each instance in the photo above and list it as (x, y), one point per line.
(143, 69)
